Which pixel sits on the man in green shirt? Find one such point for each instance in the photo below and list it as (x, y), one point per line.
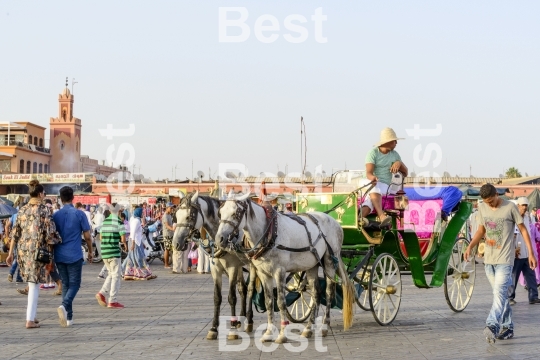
(382, 162)
(112, 233)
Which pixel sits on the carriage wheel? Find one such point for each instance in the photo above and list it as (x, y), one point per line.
(460, 276)
(363, 299)
(299, 310)
(384, 289)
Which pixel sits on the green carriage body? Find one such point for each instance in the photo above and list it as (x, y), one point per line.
(358, 242)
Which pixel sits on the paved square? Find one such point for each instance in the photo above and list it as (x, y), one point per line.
(168, 318)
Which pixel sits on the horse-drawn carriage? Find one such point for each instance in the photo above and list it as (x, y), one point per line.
(418, 241)
(361, 260)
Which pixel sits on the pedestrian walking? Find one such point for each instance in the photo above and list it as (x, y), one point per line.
(14, 269)
(497, 219)
(112, 234)
(68, 255)
(135, 265)
(34, 233)
(97, 221)
(521, 262)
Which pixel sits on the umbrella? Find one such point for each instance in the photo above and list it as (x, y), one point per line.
(534, 199)
(6, 211)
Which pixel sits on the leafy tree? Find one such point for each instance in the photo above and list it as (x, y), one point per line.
(513, 173)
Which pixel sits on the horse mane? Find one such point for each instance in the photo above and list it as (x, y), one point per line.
(250, 206)
(212, 203)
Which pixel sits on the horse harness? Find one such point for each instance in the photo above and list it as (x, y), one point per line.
(194, 210)
(268, 239)
(311, 248)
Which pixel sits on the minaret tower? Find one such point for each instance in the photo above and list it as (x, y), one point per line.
(65, 137)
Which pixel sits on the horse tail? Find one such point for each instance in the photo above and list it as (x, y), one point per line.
(349, 294)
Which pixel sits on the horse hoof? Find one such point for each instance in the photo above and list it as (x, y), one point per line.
(307, 333)
(212, 335)
(324, 333)
(281, 340)
(232, 336)
(249, 328)
(266, 338)
(238, 325)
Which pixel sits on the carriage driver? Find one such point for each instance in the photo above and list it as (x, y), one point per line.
(381, 162)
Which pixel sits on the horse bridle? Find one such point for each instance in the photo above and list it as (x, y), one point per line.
(194, 210)
(241, 211)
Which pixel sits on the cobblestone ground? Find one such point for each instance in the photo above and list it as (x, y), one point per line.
(168, 318)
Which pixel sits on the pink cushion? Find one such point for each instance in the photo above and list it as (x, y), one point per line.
(387, 203)
(421, 216)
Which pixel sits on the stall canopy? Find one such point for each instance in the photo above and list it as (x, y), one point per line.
(534, 199)
(473, 193)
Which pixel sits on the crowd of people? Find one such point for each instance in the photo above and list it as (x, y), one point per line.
(44, 243)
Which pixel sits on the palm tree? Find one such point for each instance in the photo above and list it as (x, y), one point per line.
(513, 173)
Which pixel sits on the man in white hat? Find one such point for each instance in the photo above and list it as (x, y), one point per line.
(381, 163)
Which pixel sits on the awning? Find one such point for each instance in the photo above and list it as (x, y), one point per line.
(6, 154)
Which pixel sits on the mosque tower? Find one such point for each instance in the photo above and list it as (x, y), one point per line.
(65, 136)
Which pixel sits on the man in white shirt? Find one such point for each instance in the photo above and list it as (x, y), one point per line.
(521, 262)
(97, 221)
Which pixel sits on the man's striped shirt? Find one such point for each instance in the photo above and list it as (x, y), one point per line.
(111, 232)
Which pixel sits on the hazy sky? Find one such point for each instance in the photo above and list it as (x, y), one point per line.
(471, 66)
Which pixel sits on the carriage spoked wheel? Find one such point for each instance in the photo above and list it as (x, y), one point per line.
(384, 289)
(299, 310)
(460, 276)
(363, 299)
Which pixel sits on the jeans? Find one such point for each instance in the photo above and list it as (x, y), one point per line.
(500, 278)
(71, 282)
(15, 268)
(522, 266)
(112, 282)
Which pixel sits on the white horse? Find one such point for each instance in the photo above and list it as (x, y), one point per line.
(193, 213)
(278, 259)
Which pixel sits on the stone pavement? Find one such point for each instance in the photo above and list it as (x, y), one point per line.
(168, 318)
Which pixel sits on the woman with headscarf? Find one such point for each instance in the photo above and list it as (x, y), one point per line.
(34, 230)
(135, 266)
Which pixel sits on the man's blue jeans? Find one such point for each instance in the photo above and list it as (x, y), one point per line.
(521, 266)
(15, 268)
(71, 282)
(500, 278)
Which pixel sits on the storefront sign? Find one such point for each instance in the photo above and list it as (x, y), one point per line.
(16, 178)
(152, 191)
(60, 178)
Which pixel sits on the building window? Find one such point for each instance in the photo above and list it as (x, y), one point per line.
(62, 145)
(35, 141)
(28, 164)
(21, 167)
(34, 168)
(30, 139)
(40, 142)
(46, 169)
(40, 170)
(77, 146)
(5, 165)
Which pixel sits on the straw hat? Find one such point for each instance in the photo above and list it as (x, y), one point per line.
(387, 135)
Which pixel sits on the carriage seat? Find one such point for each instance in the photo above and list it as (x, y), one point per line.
(387, 203)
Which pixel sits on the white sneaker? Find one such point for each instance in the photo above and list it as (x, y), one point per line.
(69, 323)
(62, 316)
